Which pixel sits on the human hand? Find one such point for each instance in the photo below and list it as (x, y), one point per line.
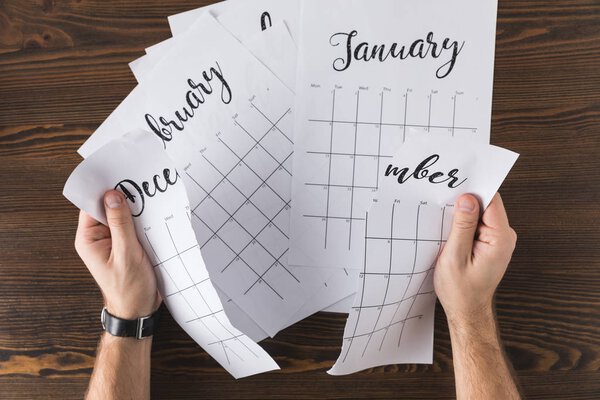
(117, 261)
(474, 259)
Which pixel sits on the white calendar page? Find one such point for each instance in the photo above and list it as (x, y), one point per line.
(180, 22)
(226, 121)
(136, 165)
(275, 48)
(243, 18)
(404, 231)
(391, 319)
(368, 74)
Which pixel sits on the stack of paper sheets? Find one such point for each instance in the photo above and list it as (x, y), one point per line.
(283, 157)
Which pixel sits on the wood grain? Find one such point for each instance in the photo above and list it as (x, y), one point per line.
(63, 69)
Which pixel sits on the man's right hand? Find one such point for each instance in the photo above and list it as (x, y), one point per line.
(465, 278)
(474, 259)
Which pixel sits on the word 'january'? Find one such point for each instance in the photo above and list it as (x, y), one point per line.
(422, 172)
(420, 48)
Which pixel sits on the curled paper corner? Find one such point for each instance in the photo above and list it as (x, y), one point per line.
(164, 230)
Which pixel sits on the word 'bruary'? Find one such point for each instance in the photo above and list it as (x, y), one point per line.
(422, 172)
(420, 48)
(136, 195)
(194, 98)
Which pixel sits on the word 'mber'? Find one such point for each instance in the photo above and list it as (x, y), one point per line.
(422, 172)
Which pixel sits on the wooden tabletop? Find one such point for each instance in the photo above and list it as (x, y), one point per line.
(63, 69)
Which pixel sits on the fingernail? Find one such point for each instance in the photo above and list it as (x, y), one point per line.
(113, 200)
(465, 204)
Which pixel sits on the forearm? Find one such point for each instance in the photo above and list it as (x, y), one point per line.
(122, 369)
(480, 366)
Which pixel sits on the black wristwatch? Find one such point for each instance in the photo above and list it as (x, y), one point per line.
(138, 328)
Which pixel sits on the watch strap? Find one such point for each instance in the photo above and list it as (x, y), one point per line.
(138, 328)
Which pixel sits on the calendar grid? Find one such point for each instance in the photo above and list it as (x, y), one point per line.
(359, 329)
(271, 218)
(408, 99)
(202, 318)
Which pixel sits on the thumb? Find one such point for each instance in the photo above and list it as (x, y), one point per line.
(120, 221)
(464, 226)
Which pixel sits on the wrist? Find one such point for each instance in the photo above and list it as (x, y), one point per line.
(124, 341)
(472, 312)
(139, 327)
(130, 310)
(480, 323)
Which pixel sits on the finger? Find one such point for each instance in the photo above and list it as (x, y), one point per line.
(495, 215)
(464, 226)
(86, 221)
(89, 232)
(120, 221)
(96, 233)
(86, 225)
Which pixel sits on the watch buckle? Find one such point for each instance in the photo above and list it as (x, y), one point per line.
(140, 327)
(103, 318)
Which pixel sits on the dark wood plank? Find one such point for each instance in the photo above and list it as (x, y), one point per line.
(63, 68)
(379, 385)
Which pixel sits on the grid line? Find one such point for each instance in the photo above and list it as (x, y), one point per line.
(332, 217)
(399, 124)
(429, 113)
(379, 142)
(223, 208)
(176, 255)
(396, 302)
(248, 198)
(231, 216)
(236, 254)
(379, 122)
(187, 288)
(179, 291)
(362, 295)
(208, 195)
(260, 144)
(274, 124)
(387, 284)
(429, 270)
(409, 281)
(253, 238)
(349, 154)
(411, 300)
(276, 262)
(453, 114)
(263, 181)
(386, 328)
(329, 171)
(353, 170)
(200, 293)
